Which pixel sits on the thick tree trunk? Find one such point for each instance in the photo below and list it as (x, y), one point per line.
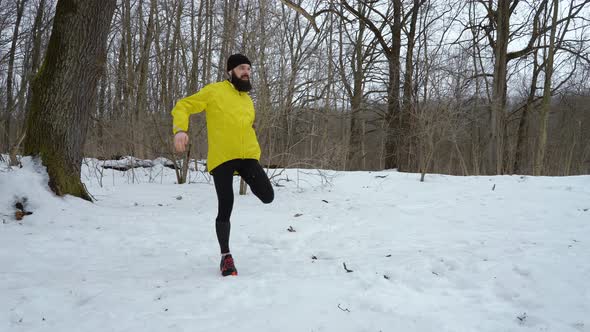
(497, 109)
(64, 91)
(393, 98)
(355, 155)
(102, 111)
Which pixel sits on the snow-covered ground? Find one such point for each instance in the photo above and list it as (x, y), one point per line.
(503, 253)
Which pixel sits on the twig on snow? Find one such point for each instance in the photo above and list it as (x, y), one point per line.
(346, 269)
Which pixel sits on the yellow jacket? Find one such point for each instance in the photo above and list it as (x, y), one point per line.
(230, 116)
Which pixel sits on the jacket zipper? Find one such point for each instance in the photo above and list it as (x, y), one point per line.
(242, 130)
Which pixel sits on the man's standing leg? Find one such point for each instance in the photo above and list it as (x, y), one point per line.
(223, 178)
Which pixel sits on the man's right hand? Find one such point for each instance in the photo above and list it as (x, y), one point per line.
(180, 141)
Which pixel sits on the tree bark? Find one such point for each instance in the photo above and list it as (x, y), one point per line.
(33, 66)
(407, 126)
(523, 124)
(141, 102)
(546, 103)
(497, 109)
(64, 91)
(391, 123)
(193, 85)
(129, 85)
(230, 17)
(36, 51)
(20, 5)
(393, 98)
(208, 47)
(358, 63)
(175, 51)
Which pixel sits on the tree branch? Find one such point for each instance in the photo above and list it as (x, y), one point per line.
(376, 31)
(513, 7)
(536, 34)
(310, 17)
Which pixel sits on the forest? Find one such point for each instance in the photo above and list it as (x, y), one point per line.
(456, 87)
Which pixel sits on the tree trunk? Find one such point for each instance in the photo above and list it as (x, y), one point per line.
(175, 51)
(523, 124)
(20, 5)
(196, 47)
(357, 63)
(37, 34)
(129, 85)
(393, 102)
(141, 102)
(263, 102)
(474, 130)
(546, 103)
(102, 111)
(64, 91)
(161, 61)
(121, 79)
(407, 127)
(497, 109)
(209, 33)
(230, 17)
(355, 155)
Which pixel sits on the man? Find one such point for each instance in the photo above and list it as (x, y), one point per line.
(232, 144)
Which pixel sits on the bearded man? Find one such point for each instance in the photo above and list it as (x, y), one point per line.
(232, 144)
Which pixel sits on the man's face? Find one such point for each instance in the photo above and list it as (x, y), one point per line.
(242, 72)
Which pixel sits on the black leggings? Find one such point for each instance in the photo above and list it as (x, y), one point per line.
(254, 175)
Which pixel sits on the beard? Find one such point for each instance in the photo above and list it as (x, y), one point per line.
(240, 84)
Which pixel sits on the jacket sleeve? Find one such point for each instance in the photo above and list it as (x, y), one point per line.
(187, 106)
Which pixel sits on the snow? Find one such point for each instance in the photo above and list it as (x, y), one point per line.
(502, 253)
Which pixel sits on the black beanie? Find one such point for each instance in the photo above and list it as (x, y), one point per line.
(235, 60)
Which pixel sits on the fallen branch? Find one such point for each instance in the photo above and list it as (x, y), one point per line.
(343, 309)
(346, 269)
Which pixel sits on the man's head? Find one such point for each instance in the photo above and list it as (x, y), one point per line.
(238, 68)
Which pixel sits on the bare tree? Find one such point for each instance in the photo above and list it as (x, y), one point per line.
(523, 124)
(408, 100)
(360, 56)
(20, 5)
(30, 67)
(499, 23)
(140, 113)
(395, 20)
(230, 16)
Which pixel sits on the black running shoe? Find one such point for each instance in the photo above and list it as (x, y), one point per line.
(227, 266)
